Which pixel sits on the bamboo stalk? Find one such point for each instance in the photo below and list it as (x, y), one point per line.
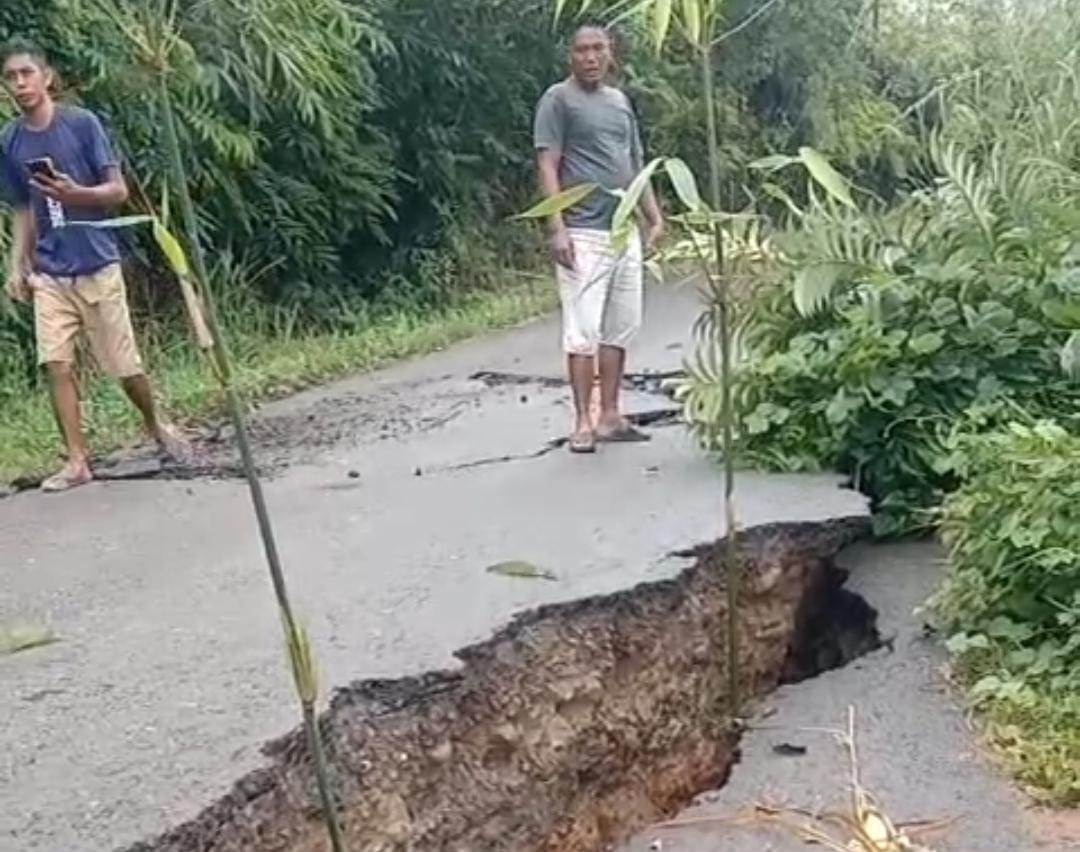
(296, 638)
(731, 550)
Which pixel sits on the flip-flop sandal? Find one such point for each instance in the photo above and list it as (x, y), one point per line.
(625, 434)
(65, 480)
(582, 443)
(174, 448)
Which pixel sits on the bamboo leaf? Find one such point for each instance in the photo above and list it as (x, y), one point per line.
(622, 221)
(560, 202)
(691, 11)
(517, 568)
(774, 162)
(661, 22)
(115, 222)
(171, 248)
(814, 285)
(829, 178)
(23, 637)
(778, 193)
(685, 184)
(302, 662)
(655, 269)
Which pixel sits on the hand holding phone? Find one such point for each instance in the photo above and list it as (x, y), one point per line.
(42, 167)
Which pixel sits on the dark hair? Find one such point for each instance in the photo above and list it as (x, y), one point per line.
(22, 47)
(591, 24)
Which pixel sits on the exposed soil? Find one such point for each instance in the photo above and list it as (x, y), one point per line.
(567, 730)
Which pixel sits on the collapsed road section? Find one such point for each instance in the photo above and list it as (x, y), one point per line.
(567, 730)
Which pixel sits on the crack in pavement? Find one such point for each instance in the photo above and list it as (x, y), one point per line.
(134, 465)
(645, 381)
(656, 418)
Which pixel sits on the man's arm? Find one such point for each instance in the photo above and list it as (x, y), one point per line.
(549, 138)
(112, 192)
(111, 188)
(649, 207)
(547, 166)
(654, 218)
(22, 254)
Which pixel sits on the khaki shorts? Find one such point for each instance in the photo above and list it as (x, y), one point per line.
(602, 296)
(94, 305)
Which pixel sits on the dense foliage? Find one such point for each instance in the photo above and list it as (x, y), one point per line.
(926, 340)
(1012, 600)
(895, 325)
(345, 152)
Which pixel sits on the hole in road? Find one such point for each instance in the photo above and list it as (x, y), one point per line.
(841, 627)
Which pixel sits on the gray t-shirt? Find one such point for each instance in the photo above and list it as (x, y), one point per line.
(597, 134)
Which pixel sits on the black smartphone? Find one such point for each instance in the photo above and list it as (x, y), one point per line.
(41, 167)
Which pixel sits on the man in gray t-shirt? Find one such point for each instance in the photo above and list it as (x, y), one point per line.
(586, 132)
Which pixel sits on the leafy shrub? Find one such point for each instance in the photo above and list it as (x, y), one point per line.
(894, 326)
(1012, 597)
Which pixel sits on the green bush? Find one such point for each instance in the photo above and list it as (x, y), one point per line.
(1012, 597)
(893, 326)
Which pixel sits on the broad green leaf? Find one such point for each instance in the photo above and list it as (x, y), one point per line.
(841, 407)
(683, 181)
(171, 248)
(1070, 356)
(622, 221)
(517, 568)
(1065, 314)
(829, 178)
(559, 6)
(691, 11)
(926, 344)
(560, 202)
(661, 21)
(814, 285)
(23, 637)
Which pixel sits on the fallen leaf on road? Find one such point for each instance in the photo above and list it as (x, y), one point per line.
(22, 637)
(521, 569)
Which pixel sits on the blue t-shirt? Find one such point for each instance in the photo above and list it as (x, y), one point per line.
(78, 147)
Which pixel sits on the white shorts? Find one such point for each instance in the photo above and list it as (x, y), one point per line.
(602, 296)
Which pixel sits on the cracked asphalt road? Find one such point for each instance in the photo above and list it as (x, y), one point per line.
(170, 673)
(915, 750)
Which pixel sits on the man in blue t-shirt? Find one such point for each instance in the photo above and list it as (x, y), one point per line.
(59, 169)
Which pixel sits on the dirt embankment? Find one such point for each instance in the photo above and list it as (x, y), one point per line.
(570, 728)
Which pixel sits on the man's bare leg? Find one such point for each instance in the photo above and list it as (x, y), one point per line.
(65, 395)
(612, 425)
(141, 394)
(582, 369)
(612, 365)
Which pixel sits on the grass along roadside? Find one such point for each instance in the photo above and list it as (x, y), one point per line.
(271, 362)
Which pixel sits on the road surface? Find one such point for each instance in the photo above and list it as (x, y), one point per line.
(392, 493)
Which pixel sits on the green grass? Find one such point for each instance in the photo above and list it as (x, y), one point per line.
(272, 360)
(1038, 742)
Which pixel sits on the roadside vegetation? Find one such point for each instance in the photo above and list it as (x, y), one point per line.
(922, 337)
(354, 163)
